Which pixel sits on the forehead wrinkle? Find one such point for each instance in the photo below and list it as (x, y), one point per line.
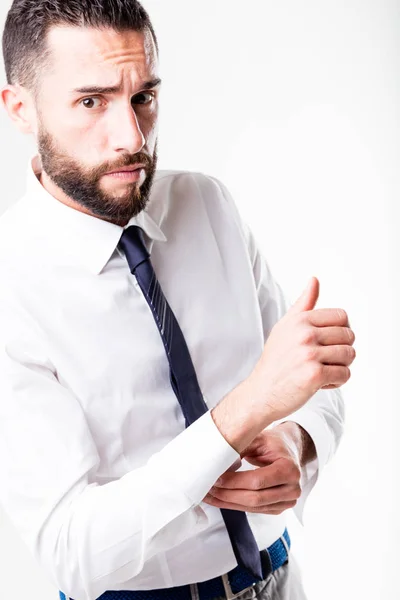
(124, 47)
(105, 55)
(117, 56)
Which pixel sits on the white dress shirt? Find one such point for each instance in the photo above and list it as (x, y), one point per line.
(98, 474)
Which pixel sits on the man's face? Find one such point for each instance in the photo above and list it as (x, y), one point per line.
(83, 133)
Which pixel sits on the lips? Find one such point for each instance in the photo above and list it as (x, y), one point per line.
(129, 169)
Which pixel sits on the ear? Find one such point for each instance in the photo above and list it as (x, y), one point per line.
(19, 105)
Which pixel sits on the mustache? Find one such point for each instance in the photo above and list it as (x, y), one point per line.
(128, 161)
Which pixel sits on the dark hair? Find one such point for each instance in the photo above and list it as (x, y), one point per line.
(25, 49)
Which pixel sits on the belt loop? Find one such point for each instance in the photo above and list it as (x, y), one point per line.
(194, 591)
(228, 590)
(284, 542)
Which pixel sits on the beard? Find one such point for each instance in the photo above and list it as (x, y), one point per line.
(82, 184)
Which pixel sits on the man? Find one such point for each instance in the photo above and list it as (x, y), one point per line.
(113, 429)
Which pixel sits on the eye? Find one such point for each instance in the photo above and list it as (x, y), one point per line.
(136, 99)
(90, 102)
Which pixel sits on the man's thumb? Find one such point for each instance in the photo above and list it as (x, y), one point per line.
(308, 298)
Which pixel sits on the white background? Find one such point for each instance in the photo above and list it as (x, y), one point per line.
(295, 107)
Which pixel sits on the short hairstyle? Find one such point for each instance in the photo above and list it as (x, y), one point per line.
(25, 48)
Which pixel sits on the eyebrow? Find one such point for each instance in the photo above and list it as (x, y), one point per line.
(113, 89)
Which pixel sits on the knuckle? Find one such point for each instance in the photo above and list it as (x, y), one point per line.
(351, 335)
(295, 473)
(310, 353)
(342, 314)
(315, 372)
(303, 317)
(285, 466)
(297, 490)
(308, 335)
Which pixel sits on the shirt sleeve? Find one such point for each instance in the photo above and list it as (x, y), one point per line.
(323, 415)
(89, 537)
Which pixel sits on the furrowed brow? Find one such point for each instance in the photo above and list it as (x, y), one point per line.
(113, 89)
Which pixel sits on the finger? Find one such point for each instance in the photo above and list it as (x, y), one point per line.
(327, 336)
(255, 479)
(272, 509)
(280, 506)
(335, 355)
(335, 374)
(283, 493)
(322, 317)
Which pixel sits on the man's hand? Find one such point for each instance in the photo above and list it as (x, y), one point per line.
(279, 452)
(306, 350)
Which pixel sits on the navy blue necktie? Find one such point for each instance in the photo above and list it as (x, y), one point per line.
(184, 381)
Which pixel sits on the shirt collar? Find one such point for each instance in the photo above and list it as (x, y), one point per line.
(88, 240)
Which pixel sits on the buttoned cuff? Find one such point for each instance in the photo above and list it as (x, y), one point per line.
(196, 458)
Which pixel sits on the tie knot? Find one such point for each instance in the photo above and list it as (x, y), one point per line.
(132, 243)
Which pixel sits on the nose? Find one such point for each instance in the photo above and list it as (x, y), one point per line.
(126, 133)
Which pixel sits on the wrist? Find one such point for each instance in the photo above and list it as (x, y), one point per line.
(240, 417)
